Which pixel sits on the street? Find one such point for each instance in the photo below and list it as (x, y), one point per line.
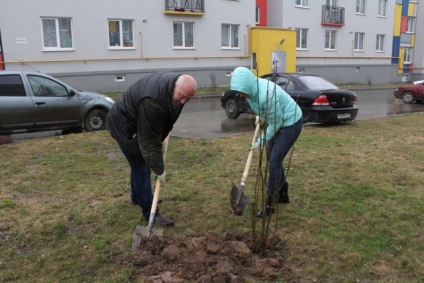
(205, 118)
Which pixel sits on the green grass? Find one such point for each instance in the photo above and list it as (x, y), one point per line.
(356, 212)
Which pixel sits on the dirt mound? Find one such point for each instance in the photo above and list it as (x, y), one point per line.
(208, 258)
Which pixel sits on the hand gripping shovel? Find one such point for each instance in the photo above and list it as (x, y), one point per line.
(239, 201)
(142, 231)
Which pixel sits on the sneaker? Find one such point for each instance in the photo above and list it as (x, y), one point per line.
(162, 221)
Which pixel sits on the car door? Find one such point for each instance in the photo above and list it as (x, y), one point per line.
(53, 102)
(16, 106)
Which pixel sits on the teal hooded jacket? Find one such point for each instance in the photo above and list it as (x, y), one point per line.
(267, 100)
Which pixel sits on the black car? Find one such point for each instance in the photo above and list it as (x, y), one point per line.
(320, 100)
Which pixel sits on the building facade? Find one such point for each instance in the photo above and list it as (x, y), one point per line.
(104, 46)
(101, 46)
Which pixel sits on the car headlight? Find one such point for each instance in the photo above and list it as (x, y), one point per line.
(109, 99)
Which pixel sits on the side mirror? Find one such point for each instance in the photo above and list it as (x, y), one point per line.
(72, 92)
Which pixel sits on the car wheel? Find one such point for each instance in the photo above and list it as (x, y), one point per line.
(95, 120)
(408, 97)
(231, 108)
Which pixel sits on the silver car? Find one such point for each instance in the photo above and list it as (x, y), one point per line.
(31, 102)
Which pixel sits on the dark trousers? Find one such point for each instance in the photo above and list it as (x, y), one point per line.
(278, 147)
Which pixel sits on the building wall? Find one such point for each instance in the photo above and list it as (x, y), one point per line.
(357, 66)
(92, 65)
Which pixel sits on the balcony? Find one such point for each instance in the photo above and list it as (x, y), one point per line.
(333, 16)
(185, 7)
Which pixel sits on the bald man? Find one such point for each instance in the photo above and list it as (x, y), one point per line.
(140, 121)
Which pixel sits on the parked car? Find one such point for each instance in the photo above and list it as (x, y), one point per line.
(320, 100)
(31, 102)
(411, 93)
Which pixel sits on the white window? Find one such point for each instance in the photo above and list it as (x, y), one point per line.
(301, 38)
(57, 34)
(184, 34)
(410, 26)
(229, 36)
(258, 15)
(379, 45)
(302, 3)
(121, 34)
(382, 8)
(360, 6)
(359, 41)
(408, 55)
(330, 39)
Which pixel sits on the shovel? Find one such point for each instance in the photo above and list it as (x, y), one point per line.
(142, 231)
(239, 201)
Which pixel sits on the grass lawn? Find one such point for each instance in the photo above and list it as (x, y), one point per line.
(356, 211)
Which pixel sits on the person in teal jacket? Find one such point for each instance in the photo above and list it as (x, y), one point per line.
(284, 125)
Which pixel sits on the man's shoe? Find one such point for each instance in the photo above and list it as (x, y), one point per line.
(162, 221)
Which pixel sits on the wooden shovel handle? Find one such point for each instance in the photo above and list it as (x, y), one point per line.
(158, 183)
(249, 157)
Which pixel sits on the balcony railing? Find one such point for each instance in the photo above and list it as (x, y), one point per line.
(187, 6)
(333, 16)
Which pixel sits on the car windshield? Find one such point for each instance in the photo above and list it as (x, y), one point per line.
(313, 82)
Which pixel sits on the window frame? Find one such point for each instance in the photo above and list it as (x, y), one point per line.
(409, 55)
(58, 34)
(230, 35)
(359, 42)
(382, 8)
(302, 3)
(360, 7)
(302, 36)
(330, 40)
(379, 42)
(184, 39)
(121, 34)
(411, 24)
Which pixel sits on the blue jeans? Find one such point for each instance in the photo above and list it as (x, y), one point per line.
(278, 147)
(141, 184)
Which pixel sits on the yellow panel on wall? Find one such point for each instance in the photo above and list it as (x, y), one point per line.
(397, 20)
(412, 11)
(265, 40)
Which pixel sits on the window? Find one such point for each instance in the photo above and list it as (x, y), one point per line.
(11, 85)
(229, 36)
(360, 6)
(42, 86)
(121, 34)
(57, 33)
(359, 41)
(330, 39)
(379, 46)
(331, 3)
(301, 38)
(258, 15)
(382, 8)
(410, 26)
(183, 34)
(408, 55)
(302, 3)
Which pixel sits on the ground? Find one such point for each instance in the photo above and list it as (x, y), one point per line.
(209, 258)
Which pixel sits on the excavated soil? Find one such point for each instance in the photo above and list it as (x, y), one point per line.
(209, 258)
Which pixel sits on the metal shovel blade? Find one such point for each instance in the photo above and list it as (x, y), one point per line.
(143, 232)
(238, 200)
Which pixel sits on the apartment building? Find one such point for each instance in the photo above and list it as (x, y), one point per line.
(101, 46)
(105, 45)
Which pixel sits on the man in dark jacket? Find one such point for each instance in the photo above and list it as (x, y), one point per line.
(140, 121)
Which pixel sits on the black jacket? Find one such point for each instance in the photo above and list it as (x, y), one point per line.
(143, 117)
